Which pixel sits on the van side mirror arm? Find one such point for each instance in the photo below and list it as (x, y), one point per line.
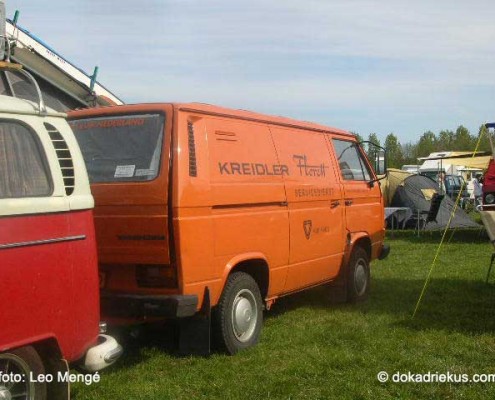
(377, 161)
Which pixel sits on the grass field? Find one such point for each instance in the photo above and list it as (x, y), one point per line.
(313, 347)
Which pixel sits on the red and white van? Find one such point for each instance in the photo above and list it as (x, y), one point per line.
(49, 291)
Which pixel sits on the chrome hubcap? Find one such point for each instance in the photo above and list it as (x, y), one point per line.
(360, 277)
(5, 393)
(19, 387)
(244, 315)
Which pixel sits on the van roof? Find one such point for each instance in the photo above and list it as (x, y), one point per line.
(14, 105)
(211, 110)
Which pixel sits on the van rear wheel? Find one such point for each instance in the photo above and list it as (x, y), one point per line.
(358, 276)
(238, 317)
(19, 365)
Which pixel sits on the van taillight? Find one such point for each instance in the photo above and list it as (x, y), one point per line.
(156, 276)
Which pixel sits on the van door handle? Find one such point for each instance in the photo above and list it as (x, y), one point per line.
(334, 204)
(348, 202)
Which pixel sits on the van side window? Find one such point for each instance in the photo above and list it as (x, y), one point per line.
(352, 165)
(23, 167)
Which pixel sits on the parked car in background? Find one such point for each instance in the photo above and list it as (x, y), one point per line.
(201, 207)
(49, 296)
(455, 184)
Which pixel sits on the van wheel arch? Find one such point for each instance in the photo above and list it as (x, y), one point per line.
(258, 269)
(364, 243)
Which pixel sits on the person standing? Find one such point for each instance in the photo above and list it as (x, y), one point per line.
(441, 182)
(477, 189)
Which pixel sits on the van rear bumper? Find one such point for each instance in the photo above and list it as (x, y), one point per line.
(139, 306)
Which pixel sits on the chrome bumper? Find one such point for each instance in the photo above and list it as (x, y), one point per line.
(104, 354)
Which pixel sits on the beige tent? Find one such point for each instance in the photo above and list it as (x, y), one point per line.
(389, 185)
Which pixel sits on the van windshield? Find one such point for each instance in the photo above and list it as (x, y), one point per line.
(121, 148)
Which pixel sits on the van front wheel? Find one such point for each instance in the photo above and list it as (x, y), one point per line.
(358, 276)
(238, 317)
(22, 364)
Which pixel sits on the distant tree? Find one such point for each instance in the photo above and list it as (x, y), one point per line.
(463, 141)
(409, 152)
(426, 145)
(485, 140)
(445, 140)
(395, 157)
(373, 138)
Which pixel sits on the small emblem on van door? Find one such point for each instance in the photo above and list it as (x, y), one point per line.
(307, 225)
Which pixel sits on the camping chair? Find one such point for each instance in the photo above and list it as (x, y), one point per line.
(488, 219)
(424, 217)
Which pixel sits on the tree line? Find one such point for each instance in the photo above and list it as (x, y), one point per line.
(446, 140)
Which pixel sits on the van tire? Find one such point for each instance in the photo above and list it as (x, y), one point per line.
(358, 276)
(26, 361)
(241, 297)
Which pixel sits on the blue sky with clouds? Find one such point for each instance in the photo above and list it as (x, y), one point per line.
(367, 66)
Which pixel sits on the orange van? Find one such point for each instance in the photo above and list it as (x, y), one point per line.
(200, 207)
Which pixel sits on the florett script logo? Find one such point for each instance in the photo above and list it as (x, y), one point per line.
(309, 170)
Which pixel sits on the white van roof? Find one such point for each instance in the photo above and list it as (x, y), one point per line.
(14, 105)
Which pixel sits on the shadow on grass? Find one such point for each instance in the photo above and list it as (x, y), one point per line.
(140, 341)
(455, 305)
(325, 296)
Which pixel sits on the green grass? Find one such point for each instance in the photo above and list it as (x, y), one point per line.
(313, 347)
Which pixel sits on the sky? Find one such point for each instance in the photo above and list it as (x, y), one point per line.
(366, 66)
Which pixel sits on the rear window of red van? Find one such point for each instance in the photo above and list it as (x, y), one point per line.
(121, 148)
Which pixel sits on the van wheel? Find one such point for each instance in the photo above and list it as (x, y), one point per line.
(238, 317)
(22, 363)
(358, 276)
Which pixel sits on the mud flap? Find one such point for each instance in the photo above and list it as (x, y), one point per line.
(194, 332)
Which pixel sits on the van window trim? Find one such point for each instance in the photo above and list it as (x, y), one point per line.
(43, 154)
(124, 114)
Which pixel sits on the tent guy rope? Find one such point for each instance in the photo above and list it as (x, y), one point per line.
(432, 266)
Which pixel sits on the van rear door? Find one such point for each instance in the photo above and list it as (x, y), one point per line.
(126, 152)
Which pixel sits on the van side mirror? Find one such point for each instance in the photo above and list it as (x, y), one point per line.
(377, 157)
